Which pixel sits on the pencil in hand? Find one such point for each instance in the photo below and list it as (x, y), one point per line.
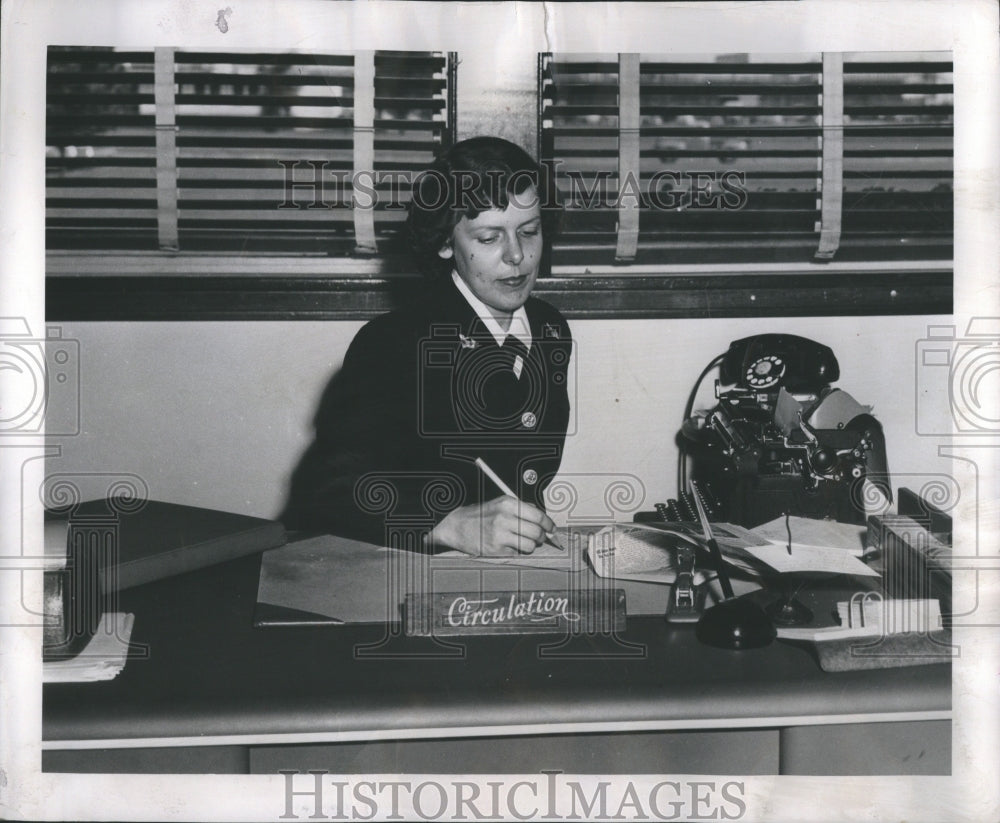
(492, 475)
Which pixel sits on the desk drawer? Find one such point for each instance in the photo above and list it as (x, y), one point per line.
(152, 760)
(915, 747)
(753, 751)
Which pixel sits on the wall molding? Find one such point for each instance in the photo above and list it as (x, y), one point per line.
(584, 296)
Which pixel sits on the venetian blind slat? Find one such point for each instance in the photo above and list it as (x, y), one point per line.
(101, 159)
(264, 147)
(734, 149)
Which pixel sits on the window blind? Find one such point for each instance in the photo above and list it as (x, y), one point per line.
(237, 151)
(750, 158)
(100, 149)
(898, 154)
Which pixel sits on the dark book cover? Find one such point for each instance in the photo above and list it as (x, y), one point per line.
(144, 540)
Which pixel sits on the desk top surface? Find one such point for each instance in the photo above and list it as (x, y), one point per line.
(201, 670)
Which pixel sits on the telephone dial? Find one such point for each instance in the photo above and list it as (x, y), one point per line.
(768, 361)
(780, 439)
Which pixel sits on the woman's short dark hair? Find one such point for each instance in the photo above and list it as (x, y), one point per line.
(471, 177)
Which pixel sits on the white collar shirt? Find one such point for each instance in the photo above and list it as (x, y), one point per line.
(519, 327)
(518, 322)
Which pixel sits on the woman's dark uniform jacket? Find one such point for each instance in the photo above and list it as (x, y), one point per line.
(424, 391)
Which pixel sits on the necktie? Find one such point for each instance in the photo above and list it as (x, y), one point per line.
(518, 351)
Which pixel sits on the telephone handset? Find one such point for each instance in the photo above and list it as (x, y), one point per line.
(766, 362)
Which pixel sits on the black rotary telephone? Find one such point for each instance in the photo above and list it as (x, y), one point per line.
(781, 439)
(767, 361)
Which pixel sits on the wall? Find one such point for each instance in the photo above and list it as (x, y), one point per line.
(216, 414)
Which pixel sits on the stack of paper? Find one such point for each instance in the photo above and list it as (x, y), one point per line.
(874, 616)
(102, 658)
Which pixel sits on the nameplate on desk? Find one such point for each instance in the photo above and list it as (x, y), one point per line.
(576, 611)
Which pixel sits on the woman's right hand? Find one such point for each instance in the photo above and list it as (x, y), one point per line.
(501, 527)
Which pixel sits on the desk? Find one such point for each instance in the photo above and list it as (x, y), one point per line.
(216, 695)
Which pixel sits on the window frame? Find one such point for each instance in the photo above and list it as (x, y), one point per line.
(99, 286)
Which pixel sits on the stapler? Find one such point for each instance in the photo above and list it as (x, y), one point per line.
(687, 599)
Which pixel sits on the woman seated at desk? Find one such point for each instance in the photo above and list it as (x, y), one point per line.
(474, 368)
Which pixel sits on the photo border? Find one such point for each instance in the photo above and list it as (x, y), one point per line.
(967, 28)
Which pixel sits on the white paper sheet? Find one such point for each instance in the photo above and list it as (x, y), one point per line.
(811, 559)
(807, 531)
